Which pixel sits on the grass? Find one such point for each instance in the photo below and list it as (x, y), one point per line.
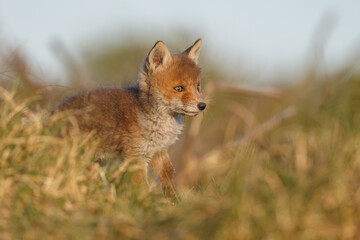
(254, 176)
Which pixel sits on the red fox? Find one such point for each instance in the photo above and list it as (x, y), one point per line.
(141, 122)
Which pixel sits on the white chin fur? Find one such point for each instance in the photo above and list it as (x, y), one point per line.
(192, 114)
(189, 111)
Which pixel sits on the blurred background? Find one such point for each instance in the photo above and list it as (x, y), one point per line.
(265, 41)
(275, 155)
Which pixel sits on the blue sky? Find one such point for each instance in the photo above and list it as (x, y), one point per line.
(262, 36)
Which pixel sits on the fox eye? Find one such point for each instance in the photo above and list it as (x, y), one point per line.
(179, 88)
(198, 87)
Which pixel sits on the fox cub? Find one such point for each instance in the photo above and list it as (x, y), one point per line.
(142, 121)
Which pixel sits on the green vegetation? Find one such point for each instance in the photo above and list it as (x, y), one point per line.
(256, 165)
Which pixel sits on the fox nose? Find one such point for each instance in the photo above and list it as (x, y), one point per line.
(201, 106)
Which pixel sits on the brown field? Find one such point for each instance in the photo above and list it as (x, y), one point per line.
(281, 163)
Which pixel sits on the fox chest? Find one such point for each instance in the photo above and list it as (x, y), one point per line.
(160, 134)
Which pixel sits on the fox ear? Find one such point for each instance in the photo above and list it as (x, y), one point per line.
(194, 50)
(159, 56)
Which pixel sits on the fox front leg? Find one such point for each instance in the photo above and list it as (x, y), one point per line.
(166, 172)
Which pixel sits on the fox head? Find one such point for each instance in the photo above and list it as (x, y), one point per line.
(172, 80)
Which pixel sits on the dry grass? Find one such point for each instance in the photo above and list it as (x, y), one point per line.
(256, 165)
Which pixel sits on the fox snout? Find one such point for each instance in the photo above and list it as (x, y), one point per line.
(191, 109)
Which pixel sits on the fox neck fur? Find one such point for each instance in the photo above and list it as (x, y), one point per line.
(162, 126)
